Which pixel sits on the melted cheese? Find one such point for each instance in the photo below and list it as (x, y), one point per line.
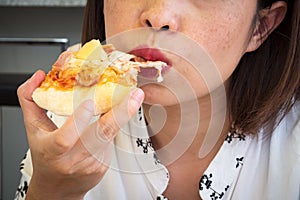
(126, 61)
(92, 50)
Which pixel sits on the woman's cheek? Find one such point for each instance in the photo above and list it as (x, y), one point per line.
(225, 46)
(122, 15)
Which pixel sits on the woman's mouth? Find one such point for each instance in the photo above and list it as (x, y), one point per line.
(151, 54)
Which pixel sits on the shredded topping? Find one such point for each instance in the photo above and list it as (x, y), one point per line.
(63, 79)
(119, 67)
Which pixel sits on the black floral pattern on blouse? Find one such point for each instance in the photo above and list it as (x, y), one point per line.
(146, 144)
(206, 183)
(22, 190)
(235, 134)
(140, 114)
(206, 180)
(23, 187)
(160, 197)
(156, 160)
(239, 162)
(22, 163)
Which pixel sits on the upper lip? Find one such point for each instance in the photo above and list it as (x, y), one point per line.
(150, 54)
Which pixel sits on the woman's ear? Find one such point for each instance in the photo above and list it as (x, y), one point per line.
(268, 19)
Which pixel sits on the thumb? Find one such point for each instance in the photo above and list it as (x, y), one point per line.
(99, 134)
(33, 114)
(112, 121)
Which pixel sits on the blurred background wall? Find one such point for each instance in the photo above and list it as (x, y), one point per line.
(29, 19)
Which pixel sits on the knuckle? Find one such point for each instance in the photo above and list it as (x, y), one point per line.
(61, 143)
(97, 168)
(20, 90)
(106, 131)
(66, 170)
(89, 170)
(101, 169)
(94, 167)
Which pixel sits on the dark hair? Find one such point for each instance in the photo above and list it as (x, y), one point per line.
(93, 21)
(265, 84)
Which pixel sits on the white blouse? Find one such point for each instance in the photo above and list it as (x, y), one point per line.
(265, 166)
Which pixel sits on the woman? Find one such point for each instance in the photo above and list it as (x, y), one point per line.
(201, 147)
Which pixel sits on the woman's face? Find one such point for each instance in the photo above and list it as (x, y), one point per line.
(222, 28)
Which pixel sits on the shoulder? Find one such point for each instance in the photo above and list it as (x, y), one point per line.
(293, 117)
(283, 170)
(294, 127)
(272, 162)
(288, 130)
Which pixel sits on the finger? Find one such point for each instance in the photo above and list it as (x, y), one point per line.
(65, 138)
(97, 137)
(33, 114)
(26, 89)
(112, 121)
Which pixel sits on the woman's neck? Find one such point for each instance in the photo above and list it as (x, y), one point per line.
(182, 130)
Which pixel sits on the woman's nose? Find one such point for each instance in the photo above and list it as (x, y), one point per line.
(160, 17)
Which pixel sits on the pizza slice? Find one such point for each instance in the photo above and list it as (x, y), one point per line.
(97, 72)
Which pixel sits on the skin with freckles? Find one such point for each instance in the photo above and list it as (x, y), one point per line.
(224, 31)
(215, 25)
(181, 112)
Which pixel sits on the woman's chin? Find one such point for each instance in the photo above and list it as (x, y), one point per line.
(158, 94)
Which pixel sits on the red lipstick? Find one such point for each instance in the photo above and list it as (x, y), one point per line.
(150, 54)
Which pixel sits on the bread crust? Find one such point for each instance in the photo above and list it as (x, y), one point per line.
(61, 102)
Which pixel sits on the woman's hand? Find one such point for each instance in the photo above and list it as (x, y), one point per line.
(69, 161)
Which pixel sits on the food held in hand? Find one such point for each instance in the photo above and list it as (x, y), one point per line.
(97, 72)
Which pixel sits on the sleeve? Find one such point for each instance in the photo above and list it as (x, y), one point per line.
(26, 173)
